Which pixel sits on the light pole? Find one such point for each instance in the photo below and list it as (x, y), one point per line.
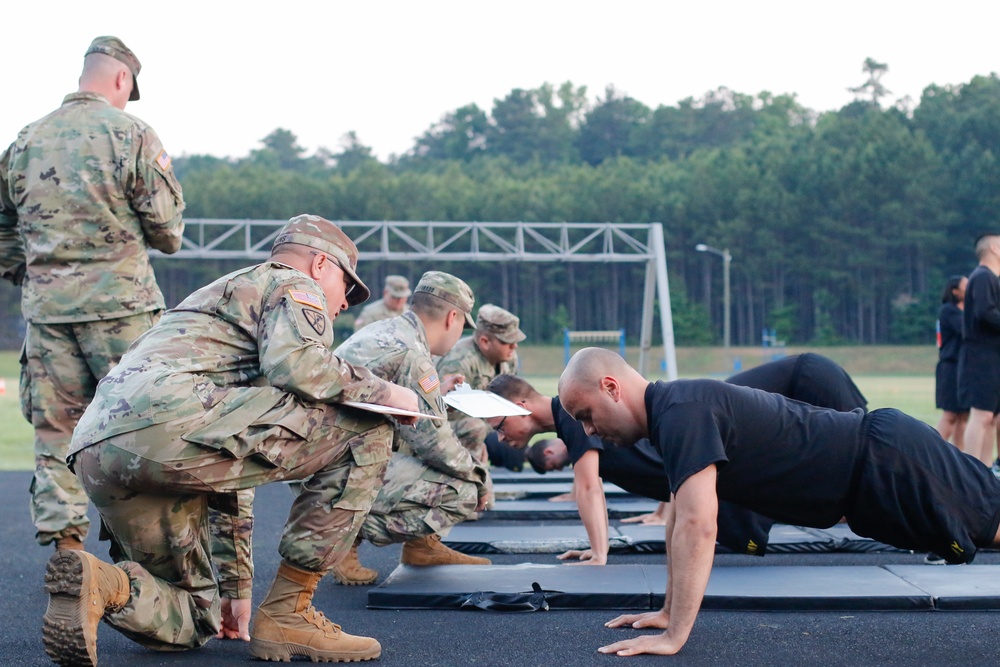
(726, 260)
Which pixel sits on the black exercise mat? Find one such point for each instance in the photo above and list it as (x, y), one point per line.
(494, 538)
(782, 539)
(777, 588)
(804, 588)
(542, 510)
(529, 476)
(960, 587)
(847, 540)
(566, 587)
(534, 490)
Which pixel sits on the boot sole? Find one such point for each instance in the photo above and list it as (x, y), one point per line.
(279, 652)
(64, 626)
(344, 581)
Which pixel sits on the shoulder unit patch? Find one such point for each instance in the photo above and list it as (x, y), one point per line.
(306, 298)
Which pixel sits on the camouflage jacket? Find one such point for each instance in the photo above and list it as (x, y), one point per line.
(263, 326)
(465, 358)
(84, 192)
(376, 311)
(397, 350)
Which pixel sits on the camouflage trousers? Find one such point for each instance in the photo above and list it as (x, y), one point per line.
(153, 489)
(416, 501)
(60, 367)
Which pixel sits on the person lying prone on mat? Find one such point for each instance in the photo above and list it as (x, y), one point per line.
(810, 378)
(892, 476)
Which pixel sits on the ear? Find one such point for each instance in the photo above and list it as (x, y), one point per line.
(318, 265)
(610, 386)
(452, 318)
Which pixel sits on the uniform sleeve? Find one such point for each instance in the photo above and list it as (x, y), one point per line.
(156, 196)
(433, 441)
(689, 441)
(12, 262)
(295, 338)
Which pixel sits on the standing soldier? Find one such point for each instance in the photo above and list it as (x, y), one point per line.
(432, 481)
(489, 352)
(84, 193)
(234, 388)
(392, 304)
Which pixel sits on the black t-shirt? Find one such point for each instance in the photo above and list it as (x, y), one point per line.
(637, 469)
(810, 378)
(950, 328)
(787, 460)
(981, 317)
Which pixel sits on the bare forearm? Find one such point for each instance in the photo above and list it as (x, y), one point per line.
(689, 566)
(594, 514)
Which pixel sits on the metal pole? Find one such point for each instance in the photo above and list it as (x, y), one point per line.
(726, 326)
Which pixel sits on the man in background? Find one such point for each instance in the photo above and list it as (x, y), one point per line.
(84, 193)
(979, 360)
(392, 304)
(490, 351)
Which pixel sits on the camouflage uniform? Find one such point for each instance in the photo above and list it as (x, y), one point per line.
(84, 193)
(468, 360)
(230, 390)
(432, 482)
(397, 287)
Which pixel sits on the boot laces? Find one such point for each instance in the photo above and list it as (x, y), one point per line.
(316, 617)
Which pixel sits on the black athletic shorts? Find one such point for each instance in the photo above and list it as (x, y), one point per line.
(946, 388)
(913, 490)
(979, 378)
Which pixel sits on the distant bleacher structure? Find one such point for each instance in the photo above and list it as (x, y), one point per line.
(472, 241)
(571, 338)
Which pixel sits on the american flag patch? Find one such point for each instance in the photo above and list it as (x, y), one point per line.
(307, 298)
(163, 160)
(429, 382)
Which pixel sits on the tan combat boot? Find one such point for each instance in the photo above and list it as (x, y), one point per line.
(350, 572)
(429, 551)
(71, 542)
(287, 625)
(81, 589)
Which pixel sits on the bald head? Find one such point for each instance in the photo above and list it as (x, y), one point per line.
(606, 395)
(108, 77)
(590, 364)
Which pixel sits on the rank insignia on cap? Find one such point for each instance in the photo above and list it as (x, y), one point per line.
(163, 160)
(307, 298)
(316, 320)
(429, 382)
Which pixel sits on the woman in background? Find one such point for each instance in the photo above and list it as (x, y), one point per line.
(949, 342)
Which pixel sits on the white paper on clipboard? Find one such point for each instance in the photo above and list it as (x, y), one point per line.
(482, 404)
(386, 410)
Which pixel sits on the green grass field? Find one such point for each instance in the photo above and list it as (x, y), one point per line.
(898, 378)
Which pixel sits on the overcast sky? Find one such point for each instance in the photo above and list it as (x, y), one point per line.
(218, 76)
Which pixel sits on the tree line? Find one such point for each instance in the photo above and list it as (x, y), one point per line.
(842, 225)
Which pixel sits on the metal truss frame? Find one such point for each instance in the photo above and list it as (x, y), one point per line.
(474, 241)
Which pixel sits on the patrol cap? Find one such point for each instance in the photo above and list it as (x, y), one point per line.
(397, 286)
(114, 47)
(321, 234)
(451, 289)
(501, 324)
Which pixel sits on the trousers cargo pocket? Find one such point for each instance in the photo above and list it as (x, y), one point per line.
(370, 455)
(259, 422)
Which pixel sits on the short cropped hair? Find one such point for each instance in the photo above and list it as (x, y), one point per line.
(983, 244)
(431, 307)
(536, 456)
(512, 388)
